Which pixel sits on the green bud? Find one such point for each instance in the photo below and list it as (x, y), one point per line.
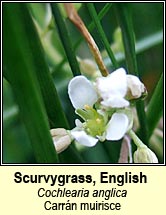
(88, 68)
(144, 155)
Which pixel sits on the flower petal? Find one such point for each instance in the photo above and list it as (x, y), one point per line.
(135, 86)
(117, 126)
(113, 84)
(78, 123)
(84, 139)
(81, 92)
(115, 102)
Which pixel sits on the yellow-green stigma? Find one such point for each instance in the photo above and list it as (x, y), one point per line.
(94, 122)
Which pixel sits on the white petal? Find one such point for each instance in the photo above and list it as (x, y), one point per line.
(115, 102)
(117, 126)
(113, 84)
(81, 92)
(135, 86)
(84, 139)
(78, 123)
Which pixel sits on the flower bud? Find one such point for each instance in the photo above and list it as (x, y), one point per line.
(144, 155)
(136, 88)
(88, 68)
(61, 139)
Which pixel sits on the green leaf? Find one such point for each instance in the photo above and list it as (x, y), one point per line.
(71, 155)
(20, 70)
(155, 107)
(64, 36)
(96, 154)
(113, 150)
(103, 37)
(123, 12)
(141, 46)
(51, 99)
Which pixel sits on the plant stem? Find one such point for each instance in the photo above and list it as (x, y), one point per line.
(103, 37)
(123, 12)
(75, 18)
(135, 138)
(92, 24)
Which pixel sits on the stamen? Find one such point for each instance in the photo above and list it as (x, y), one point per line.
(98, 121)
(87, 107)
(88, 130)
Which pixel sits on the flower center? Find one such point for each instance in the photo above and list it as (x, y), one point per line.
(94, 122)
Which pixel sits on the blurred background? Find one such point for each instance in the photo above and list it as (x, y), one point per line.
(148, 27)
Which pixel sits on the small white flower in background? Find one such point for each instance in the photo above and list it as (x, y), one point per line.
(144, 155)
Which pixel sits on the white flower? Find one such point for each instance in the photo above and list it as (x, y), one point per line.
(97, 126)
(102, 106)
(113, 88)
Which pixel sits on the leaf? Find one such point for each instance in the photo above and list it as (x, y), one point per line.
(141, 46)
(20, 69)
(96, 154)
(103, 37)
(64, 36)
(155, 107)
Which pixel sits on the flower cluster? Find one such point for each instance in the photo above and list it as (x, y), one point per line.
(104, 106)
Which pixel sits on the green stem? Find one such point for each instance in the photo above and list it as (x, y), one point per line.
(135, 138)
(103, 37)
(123, 12)
(90, 27)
